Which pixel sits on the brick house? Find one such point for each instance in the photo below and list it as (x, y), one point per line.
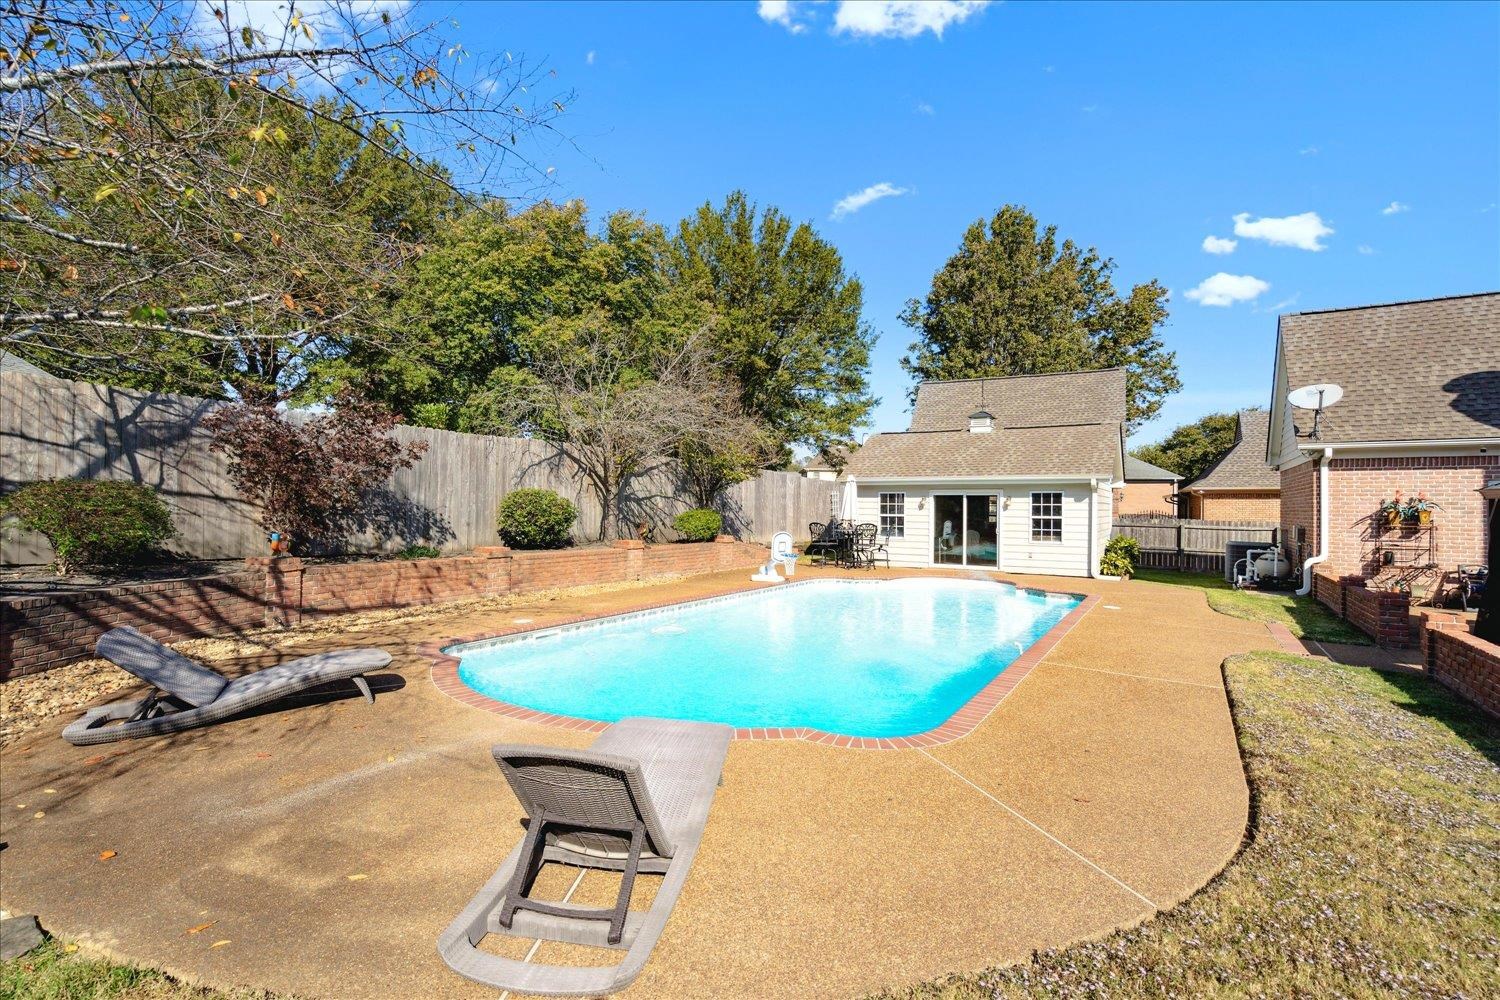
(1148, 489)
(1239, 486)
(1420, 414)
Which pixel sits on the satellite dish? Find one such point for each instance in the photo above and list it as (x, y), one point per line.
(1315, 397)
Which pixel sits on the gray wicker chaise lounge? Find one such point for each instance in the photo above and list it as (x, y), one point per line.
(635, 802)
(188, 694)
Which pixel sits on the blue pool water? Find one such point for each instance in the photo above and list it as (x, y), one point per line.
(889, 658)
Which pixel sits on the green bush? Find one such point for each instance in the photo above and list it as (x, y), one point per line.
(1120, 554)
(698, 525)
(92, 522)
(536, 519)
(419, 552)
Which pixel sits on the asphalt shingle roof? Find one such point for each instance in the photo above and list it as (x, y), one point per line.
(1137, 471)
(1410, 371)
(1243, 467)
(1086, 450)
(1095, 397)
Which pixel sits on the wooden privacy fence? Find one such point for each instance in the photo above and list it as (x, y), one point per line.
(1192, 546)
(53, 428)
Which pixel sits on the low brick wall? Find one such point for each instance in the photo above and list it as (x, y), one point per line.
(38, 632)
(1466, 664)
(1383, 615)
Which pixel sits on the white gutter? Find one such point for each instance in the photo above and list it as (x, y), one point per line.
(1322, 473)
(1481, 442)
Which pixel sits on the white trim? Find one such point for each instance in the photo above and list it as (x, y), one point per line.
(979, 479)
(1230, 489)
(1486, 442)
(963, 529)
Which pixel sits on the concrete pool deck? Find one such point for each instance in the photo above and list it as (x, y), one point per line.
(330, 843)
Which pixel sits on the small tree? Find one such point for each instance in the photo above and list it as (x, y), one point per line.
(1191, 448)
(617, 404)
(711, 467)
(306, 474)
(95, 522)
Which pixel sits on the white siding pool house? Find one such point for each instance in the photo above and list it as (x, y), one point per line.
(1011, 474)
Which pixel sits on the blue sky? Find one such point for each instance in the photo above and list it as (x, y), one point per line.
(1141, 130)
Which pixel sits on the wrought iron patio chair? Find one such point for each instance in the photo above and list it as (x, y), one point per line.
(1471, 583)
(868, 547)
(822, 542)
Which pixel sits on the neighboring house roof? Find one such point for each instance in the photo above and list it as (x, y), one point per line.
(1070, 424)
(1410, 371)
(1243, 466)
(10, 363)
(817, 463)
(1137, 471)
(1064, 398)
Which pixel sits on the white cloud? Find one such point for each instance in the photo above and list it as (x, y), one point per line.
(1395, 208)
(901, 18)
(1089, 109)
(850, 204)
(780, 12)
(1366, 249)
(1285, 303)
(590, 57)
(1226, 289)
(923, 108)
(1219, 245)
(1301, 231)
(1308, 151)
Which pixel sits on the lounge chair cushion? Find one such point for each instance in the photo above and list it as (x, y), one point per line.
(309, 671)
(160, 667)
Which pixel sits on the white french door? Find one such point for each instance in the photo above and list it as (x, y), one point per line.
(966, 529)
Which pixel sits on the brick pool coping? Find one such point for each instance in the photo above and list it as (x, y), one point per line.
(962, 722)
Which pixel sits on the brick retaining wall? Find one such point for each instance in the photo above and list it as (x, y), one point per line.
(38, 632)
(1383, 615)
(1466, 664)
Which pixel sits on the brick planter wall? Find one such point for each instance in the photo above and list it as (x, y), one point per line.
(1384, 616)
(38, 632)
(1465, 664)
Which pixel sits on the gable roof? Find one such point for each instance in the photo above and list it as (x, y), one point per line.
(1068, 424)
(1243, 466)
(1057, 400)
(1138, 471)
(817, 463)
(1410, 371)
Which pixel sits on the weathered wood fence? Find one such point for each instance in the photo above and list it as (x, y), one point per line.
(1194, 546)
(54, 428)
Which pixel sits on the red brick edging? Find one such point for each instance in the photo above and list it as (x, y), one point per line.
(959, 724)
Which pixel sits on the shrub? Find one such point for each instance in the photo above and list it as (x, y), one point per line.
(419, 552)
(1120, 554)
(698, 525)
(536, 519)
(92, 521)
(307, 476)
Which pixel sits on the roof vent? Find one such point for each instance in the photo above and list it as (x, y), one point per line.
(981, 422)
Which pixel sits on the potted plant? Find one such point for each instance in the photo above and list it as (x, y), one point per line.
(1419, 510)
(1393, 510)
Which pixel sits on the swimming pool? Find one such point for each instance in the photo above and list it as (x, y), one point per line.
(860, 658)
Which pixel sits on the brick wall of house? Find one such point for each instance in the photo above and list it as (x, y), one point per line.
(1299, 509)
(1236, 505)
(38, 632)
(1467, 665)
(1146, 498)
(1358, 535)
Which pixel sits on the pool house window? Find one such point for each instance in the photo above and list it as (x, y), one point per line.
(893, 515)
(1046, 517)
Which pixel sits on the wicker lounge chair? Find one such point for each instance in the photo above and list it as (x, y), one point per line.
(188, 694)
(635, 802)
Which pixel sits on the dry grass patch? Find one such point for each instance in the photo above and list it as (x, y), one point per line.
(1373, 867)
(57, 971)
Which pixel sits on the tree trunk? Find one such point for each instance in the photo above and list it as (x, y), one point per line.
(606, 505)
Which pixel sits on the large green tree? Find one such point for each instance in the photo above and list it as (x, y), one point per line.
(1191, 448)
(496, 292)
(787, 319)
(1015, 301)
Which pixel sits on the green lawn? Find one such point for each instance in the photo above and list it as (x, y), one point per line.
(57, 971)
(1372, 869)
(1306, 618)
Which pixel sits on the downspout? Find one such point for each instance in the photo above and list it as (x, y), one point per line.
(1307, 579)
(1093, 530)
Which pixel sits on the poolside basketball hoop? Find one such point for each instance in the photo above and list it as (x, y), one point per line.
(781, 552)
